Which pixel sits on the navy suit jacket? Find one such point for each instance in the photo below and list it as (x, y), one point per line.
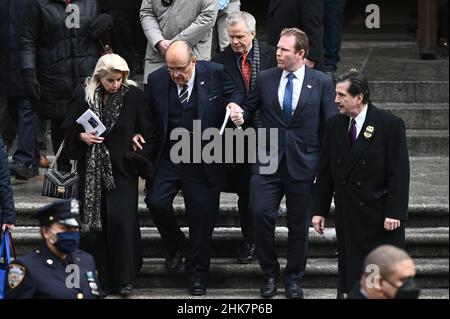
(300, 139)
(215, 90)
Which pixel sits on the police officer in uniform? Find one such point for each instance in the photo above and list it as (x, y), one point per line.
(58, 269)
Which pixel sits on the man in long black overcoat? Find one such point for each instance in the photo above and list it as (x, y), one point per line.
(364, 163)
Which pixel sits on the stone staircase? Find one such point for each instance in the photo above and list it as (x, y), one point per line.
(415, 90)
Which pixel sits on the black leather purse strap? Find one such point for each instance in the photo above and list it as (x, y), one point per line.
(54, 164)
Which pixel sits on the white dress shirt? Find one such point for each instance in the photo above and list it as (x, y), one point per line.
(360, 118)
(190, 85)
(297, 83)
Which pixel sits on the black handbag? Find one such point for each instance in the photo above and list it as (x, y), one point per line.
(58, 184)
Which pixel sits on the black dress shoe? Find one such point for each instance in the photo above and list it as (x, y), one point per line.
(197, 287)
(125, 291)
(248, 254)
(269, 289)
(341, 295)
(293, 291)
(174, 259)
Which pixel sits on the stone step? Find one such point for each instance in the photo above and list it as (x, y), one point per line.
(428, 201)
(426, 116)
(420, 242)
(320, 273)
(409, 91)
(403, 91)
(427, 142)
(223, 294)
(419, 215)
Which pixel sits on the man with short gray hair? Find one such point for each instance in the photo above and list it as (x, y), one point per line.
(244, 58)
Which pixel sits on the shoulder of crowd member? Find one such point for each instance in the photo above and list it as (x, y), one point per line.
(220, 57)
(321, 76)
(267, 72)
(156, 75)
(264, 46)
(79, 91)
(211, 65)
(387, 117)
(23, 265)
(134, 90)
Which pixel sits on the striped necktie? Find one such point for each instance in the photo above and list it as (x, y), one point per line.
(184, 95)
(287, 99)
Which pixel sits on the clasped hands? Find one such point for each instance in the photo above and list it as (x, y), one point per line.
(237, 114)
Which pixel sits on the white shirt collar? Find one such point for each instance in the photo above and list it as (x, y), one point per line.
(361, 117)
(190, 83)
(299, 74)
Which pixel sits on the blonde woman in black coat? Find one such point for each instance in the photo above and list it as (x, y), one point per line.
(109, 181)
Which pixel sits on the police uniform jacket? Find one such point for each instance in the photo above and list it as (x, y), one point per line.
(42, 275)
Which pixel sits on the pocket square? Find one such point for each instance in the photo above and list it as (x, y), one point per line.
(214, 97)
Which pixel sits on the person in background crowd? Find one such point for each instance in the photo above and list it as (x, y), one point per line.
(7, 210)
(25, 159)
(332, 23)
(166, 21)
(57, 55)
(305, 15)
(126, 33)
(220, 33)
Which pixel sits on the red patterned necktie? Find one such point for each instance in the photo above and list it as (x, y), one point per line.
(246, 70)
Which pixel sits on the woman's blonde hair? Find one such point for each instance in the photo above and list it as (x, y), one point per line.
(109, 63)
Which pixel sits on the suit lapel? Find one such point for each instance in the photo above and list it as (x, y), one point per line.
(307, 87)
(361, 142)
(273, 87)
(164, 86)
(342, 135)
(232, 67)
(201, 79)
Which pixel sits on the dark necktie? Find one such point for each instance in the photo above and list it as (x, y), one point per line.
(183, 96)
(352, 132)
(246, 70)
(287, 100)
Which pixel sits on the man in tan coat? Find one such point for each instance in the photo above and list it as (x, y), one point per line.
(165, 21)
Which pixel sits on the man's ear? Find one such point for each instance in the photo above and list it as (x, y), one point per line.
(45, 232)
(360, 98)
(302, 53)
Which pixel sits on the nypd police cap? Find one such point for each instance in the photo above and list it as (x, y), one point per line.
(65, 212)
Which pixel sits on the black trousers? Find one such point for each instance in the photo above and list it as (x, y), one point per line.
(238, 180)
(266, 193)
(202, 207)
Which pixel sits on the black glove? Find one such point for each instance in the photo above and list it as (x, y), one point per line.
(100, 25)
(31, 86)
(141, 164)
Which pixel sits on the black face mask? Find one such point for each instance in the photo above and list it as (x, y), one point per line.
(408, 290)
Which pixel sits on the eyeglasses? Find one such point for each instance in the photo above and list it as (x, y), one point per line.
(181, 69)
